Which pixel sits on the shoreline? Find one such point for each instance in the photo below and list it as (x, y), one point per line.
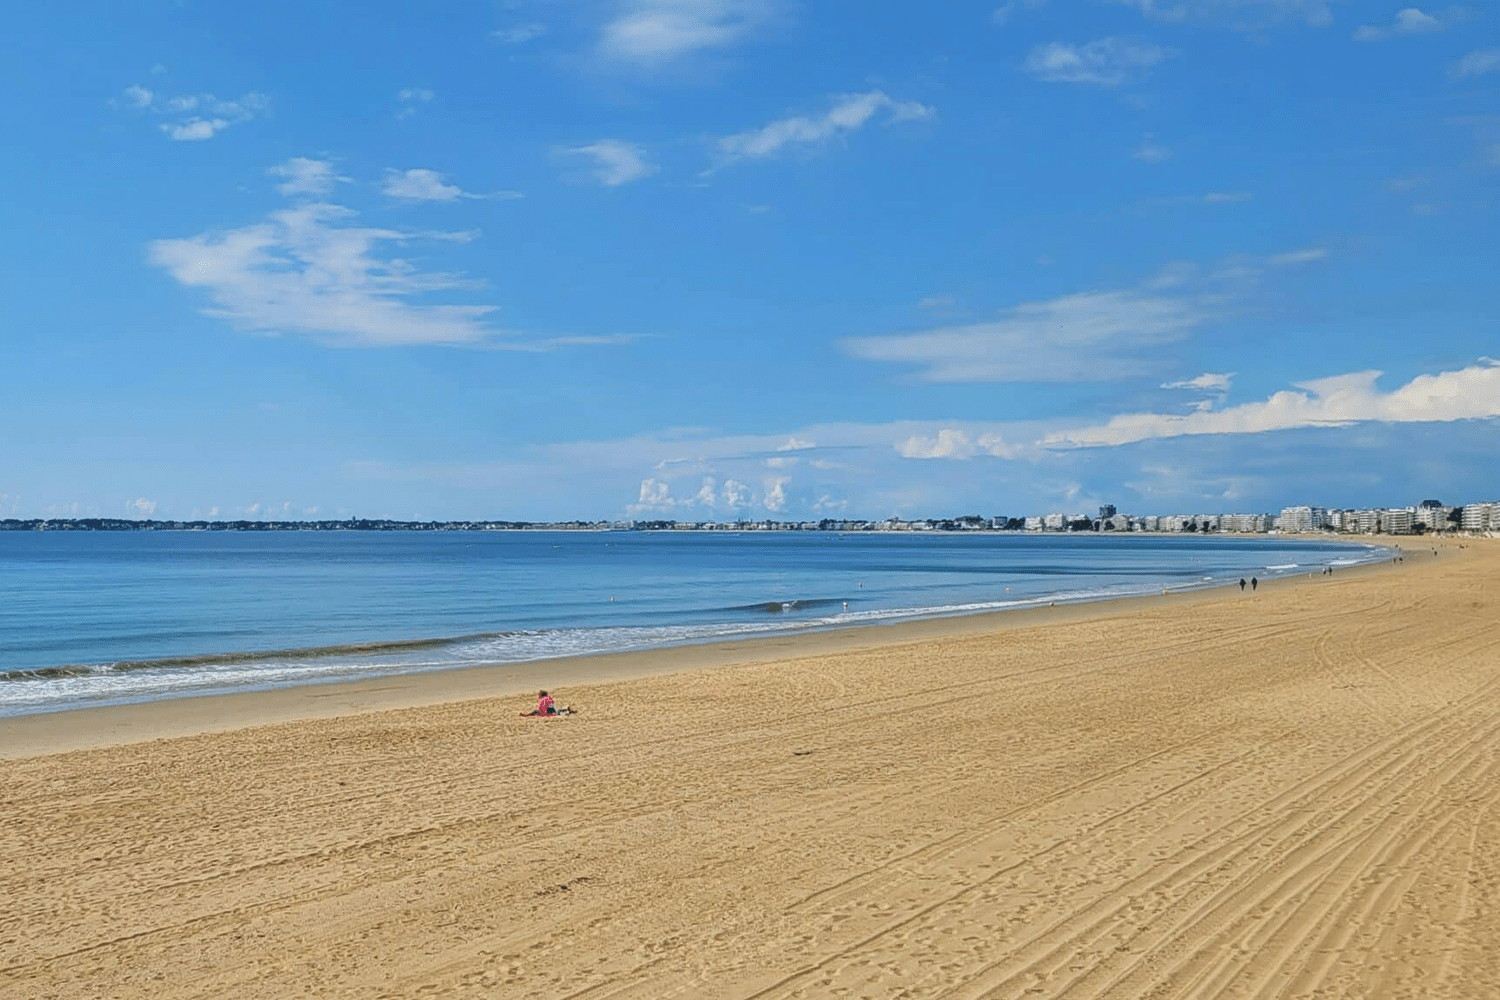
(65, 730)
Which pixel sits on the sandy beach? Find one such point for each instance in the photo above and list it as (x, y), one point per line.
(1285, 793)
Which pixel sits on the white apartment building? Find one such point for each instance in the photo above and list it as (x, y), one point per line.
(1055, 522)
(1398, 520)
(1245, 523)
(1481, 517)
(1034, 524)
(1434, 518)
(1303, 519)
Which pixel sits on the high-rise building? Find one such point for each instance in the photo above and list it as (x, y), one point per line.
(1303, 519)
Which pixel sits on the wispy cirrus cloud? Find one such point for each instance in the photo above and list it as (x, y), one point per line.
(519, 34)
(654, 33)
(195, 117)
(1105, 62)
(848, 114)
(1477, 63)
(1207, 382)
(302, 175)
(309, 271)
(1150, 151)
(429, 185)
(1408, 21)
(1085, 337)
(1242, 14)
(615, 162)
(1090, 336)
(409, 99)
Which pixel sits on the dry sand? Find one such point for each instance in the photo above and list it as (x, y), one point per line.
(1290, 793)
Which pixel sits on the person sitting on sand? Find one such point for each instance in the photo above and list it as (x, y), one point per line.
(546, 706)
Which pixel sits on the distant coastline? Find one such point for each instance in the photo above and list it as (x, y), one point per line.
(963, 525)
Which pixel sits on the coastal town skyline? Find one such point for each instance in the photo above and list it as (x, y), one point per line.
(1427, 517)
(723, 260)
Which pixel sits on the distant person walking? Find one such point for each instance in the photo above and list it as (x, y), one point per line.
(1254, 583)
(1242, 584)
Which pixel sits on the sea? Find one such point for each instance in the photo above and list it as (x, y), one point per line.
(94, 618)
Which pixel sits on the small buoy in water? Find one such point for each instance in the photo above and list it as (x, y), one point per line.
(611, 598)
(846, 605)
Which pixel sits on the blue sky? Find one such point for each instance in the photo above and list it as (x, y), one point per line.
(713, 259)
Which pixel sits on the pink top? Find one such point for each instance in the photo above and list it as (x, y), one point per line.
(544, 705)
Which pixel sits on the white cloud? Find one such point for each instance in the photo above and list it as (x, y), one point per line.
(1409, 21)
(196, 129)
(706, 495)
(306, 270)
(222, 114)
(953, 442)
(937, 303)
(1174, 274)
(655, 495)
(653, 33)
(196, 117)
(795, 444)
(421, 185)
(410, 98)
(1306, 256)
(1243, 13)
(1091, 336)
(519, 34)
(1207, 382)
(736, 494)
(142, 507)
(615, 162)
(1467, 394)
(1106, 62)
(849, 113)
(775, 496)
(306, 176)
(1476, 63)
(1150, 151)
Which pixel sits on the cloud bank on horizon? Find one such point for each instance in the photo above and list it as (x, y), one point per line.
(756, 258)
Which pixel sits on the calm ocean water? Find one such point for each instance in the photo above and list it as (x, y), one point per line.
(106, 617)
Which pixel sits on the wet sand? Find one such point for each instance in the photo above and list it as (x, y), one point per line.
(1288, 793)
